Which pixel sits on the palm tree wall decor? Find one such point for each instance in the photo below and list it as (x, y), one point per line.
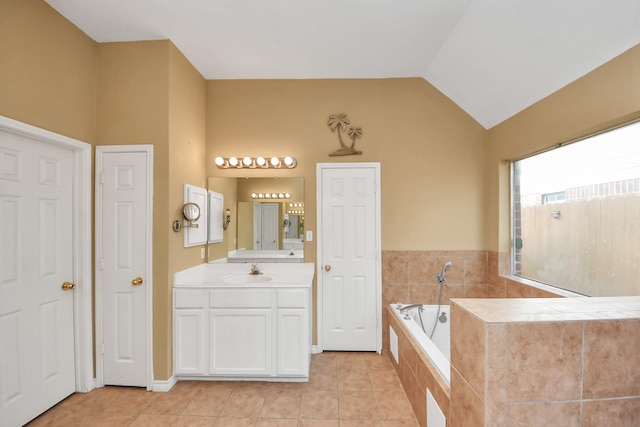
(339, 123)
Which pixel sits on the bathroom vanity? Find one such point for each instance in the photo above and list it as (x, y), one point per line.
(229, 324)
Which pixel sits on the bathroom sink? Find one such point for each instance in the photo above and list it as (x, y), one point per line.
(247, 278)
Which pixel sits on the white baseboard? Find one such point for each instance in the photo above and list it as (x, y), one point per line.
(164, 386)
(315, 349)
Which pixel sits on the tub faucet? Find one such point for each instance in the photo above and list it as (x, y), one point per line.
(409, 307)
(254, 269)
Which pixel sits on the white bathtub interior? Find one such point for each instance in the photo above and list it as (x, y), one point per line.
(438, 356)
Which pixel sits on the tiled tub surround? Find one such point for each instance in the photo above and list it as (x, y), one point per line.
(545, 362)
(416, 372)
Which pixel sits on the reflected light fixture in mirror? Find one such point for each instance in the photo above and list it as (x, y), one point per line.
(270, 195)
(287, 162)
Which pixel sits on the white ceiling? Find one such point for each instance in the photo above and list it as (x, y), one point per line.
(491, 57)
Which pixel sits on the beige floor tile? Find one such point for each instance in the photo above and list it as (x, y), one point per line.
(111, 419)
(357, 405)
(394, 406)
(342, 392)
(319, 423)
(353, 379)
(319, 405)
(277, 422)
(150, 420)
(378, 361)
(384, 380)
(235, 422)
(70, 418)
(243, 404)
(282, 404)
(193, 421)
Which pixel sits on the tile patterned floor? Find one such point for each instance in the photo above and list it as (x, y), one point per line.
(345, 389)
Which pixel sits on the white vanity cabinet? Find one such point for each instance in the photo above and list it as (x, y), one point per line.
(256, 332)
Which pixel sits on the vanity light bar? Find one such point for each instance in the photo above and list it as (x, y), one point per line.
(256, 162)
(270, 195)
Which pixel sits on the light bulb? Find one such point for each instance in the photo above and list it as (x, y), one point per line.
(246, 161)
(254, 196)
(219, 161)
(280, 196)
(260, 161)
(267, 196)
(233, 161)
(275, 161)
(288, 161)
(260, 196)
(287, 195)
(274, 196)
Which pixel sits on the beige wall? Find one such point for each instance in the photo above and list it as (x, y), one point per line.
(47, 70)
(148, 93)
(607, 96)
(430, 150)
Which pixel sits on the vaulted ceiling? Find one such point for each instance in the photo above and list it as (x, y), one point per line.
(493, 58)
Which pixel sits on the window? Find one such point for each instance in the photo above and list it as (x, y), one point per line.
(576, 215)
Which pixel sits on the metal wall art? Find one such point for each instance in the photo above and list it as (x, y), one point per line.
(339, 123)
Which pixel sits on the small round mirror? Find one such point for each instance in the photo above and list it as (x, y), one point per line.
(191, 212)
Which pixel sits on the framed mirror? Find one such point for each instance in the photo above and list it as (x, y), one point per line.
(267, 220)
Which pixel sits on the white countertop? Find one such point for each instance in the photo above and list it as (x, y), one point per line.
(233, 275)
(266, 254)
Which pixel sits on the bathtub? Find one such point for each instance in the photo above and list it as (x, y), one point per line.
(438, 348)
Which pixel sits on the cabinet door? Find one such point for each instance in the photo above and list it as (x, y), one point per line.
(293, 342)
(240, 341)
(189, 340)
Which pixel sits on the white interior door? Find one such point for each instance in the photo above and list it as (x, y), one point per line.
(349, 256)
(269, 226)
(37, 361)
(124, 270)
(265, 226)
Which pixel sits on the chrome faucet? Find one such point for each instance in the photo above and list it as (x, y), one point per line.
(409, 307)
(254, 269)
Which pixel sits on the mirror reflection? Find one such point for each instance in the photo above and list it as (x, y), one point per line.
(267, 220)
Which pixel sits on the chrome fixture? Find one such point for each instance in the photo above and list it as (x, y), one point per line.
(270, 195)
(256, 162)
(406, 310)
(441, 276)
(255, 270)
(227, 219)
(443, 317)
(191, 213)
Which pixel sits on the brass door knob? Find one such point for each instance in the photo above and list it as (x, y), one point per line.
(67, 286)
(137, 281)
(327, 267)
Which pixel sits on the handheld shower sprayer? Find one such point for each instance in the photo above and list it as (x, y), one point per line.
(441, 276)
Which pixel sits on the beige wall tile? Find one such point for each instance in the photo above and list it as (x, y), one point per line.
(611, 359)
(422, 268)
(616, 412)
(467, 408)
(543, 414)
(468, 341)
(394, 268)
(544, 361)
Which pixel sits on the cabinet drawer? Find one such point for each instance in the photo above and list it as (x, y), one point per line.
(245, 298)
(189, 299)
(292, 298)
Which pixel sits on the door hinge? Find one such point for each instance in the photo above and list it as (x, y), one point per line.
(101, 178)
(101, 264)
(101, 348)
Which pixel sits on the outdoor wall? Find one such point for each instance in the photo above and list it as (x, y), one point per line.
(47, 70)
(605, 97)
(606, 234)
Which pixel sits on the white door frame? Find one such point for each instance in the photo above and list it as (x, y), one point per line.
(378, 239)
(100, 150)
(82, 276)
